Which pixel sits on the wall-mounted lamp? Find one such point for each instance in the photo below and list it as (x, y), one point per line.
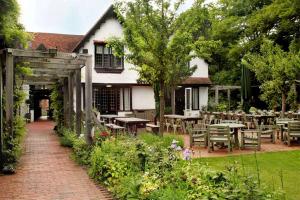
(108, 86)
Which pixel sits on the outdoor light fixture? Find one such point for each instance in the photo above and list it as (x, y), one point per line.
(108, 86)
(179, 86)
(53, 52)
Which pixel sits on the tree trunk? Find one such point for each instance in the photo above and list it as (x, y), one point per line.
(283, 103)
(161, 108)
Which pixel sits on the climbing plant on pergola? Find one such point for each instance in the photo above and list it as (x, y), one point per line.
(48, 68)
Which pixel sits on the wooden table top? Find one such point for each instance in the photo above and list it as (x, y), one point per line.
(109, 116)
(231, 125)
(132, 120)
(182, 117)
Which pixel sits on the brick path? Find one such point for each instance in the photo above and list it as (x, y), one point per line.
(46, 171)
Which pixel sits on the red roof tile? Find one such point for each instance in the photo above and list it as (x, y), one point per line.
(63, 42)
(197, 81)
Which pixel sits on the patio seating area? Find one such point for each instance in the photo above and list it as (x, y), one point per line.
(220, 133)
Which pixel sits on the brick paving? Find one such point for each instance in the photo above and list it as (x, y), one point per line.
(46, 171)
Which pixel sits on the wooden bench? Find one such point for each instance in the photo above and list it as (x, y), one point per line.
(152, 128)
(115, 129)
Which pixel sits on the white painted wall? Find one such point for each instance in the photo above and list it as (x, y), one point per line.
(142, 98)
(110, 28)
(202, 67)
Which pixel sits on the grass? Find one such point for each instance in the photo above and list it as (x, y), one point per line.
(275, 169)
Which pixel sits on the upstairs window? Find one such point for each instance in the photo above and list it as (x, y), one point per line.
(105, 60)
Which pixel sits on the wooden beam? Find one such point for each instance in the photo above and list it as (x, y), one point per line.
(173, 100)
(34, 65)
(40, 83)
(43, 54)
(66, 99)
(58, 61)
(217, 95)
(1, 112)
(9, 92)
(78, 101)
(71, 100)
(88, 100)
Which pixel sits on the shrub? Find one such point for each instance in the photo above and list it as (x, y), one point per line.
(12, 144)
(81, 151)
(68, 137)
(143, 168)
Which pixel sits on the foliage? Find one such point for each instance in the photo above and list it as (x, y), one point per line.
(12, 143)
(164, 142)
(221, 107)
(160, 41)
(134, 169)
(12, 31)
(68, 137)
(57, 104)
(81, 151)
(276, 70)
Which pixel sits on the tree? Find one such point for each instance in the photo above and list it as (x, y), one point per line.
(160, 41)
(276, 70)
(11, 31)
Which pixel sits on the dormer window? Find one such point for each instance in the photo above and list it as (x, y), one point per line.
(105, 61)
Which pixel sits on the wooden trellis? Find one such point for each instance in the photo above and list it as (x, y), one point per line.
(48, 67)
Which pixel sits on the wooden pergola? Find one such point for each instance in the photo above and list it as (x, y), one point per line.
(227, 88)
(48, 67)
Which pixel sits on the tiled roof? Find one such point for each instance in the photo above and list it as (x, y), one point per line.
(63, 42)
(197, 81)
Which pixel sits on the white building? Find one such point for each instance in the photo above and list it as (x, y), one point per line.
(115, 86)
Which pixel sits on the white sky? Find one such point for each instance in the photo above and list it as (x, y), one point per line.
(63, 16)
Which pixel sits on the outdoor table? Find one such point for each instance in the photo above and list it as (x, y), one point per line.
(131, 124)
(235, 127)
(108, 118)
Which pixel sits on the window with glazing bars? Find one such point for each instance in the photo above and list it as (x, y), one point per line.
(104, 58)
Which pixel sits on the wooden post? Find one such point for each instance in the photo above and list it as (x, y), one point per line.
(228, 98)
(1, 114)
(66, 99)
(88, 100)
(173, 100)
(9, 92)
(78, 101)
(71, 100)
(216, 95)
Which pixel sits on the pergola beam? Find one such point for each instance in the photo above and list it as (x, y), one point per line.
(46, 54)
(54, 60)
(38, 65)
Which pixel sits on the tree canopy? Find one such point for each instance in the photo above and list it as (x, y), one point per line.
(11, 31)
(161, 40)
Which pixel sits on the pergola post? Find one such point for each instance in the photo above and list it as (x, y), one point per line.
(66, 99)
(228, 98)
(1, 112)
(173, 100)
(71, 100)
(216, 95)
(78, 101)
(88, 100)
(9, 92)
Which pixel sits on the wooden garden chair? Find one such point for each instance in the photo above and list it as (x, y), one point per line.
(251, 138)
(198, 135)
(219, 134)
(293, 132)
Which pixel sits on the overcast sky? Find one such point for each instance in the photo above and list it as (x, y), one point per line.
(63, 16)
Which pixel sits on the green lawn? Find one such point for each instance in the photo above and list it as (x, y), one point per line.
(271, 165)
